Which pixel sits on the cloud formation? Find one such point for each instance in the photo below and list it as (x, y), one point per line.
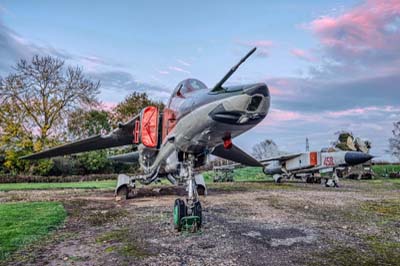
(364, 39)
(302, 54)
(178, 69)
(116, 82)
(352, 83)
(263, 46)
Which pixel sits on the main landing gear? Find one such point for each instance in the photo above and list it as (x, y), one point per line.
(188, 215)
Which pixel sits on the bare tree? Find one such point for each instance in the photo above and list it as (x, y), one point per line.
(42, 93)
(265, 149)
(394, 142)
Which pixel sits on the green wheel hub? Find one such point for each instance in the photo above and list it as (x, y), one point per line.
(179, 212)
(176, 215)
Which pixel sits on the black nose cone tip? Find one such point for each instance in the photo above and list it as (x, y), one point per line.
(354, 158)
(259, 88)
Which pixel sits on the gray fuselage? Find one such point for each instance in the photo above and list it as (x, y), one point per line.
(204, 119)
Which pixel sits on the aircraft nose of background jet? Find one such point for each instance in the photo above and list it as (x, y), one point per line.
(355, 157)
(259, 88)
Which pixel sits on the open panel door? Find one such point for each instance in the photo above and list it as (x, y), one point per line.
(313, 158)
(150, 126)
(169, 122)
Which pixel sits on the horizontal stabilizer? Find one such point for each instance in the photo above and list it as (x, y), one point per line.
(131, 157)
(235, 154)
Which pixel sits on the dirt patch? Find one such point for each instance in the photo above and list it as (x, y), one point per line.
(297, 224)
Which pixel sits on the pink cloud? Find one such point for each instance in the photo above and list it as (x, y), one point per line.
(262, 45)
(363, 110)
(280, 92)
(368, 27)
(178, 69)
(274, 90)
(304, 55)
(277, 116)
(280, 116)
(284, 88)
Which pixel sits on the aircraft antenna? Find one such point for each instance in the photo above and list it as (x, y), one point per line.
(307, 145)
(218, 87)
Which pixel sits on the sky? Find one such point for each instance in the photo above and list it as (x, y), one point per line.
(329, 65)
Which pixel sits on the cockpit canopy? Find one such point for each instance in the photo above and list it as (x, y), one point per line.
(187, 86)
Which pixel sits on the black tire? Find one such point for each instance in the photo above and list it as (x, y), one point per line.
(179, 211)
(123, 192)
(201, 190)
(197, 211)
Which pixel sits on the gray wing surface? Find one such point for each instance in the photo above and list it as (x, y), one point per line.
(118, 137)
(235, 154)
(280, 158)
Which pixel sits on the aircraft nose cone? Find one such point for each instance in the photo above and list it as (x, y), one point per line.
(259, 88)
(355, 157)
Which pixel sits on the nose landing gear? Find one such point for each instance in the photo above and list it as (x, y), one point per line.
(188, 216)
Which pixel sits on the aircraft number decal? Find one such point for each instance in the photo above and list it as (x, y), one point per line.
(328, 161)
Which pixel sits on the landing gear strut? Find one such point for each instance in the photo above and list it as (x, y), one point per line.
(188, 217)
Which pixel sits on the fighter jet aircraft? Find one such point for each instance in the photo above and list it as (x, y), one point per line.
(197, 121)
(308, 164)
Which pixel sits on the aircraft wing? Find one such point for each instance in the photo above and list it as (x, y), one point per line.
(280, 158)
(311, 170)
(235, 154)
(123, 135)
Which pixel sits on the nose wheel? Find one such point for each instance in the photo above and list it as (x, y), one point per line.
(187, 216)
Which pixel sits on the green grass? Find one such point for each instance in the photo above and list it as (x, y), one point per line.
(250, 174)
(106, 184)
(22, 223)
(245, 174)
(381, 170)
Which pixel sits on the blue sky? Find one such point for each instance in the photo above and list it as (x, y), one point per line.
(330, 65)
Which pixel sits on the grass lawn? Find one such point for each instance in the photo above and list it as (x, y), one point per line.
(81, 185)
(246, 174)
(381, 170)
(22, 223)
(250, 174)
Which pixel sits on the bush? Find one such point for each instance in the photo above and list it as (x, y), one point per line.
(54, 179)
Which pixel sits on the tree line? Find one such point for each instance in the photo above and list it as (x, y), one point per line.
(45, 103)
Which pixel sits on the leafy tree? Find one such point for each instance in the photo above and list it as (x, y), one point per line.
(394, 142)
(94, 161)
(132, 105)
(34, 101)
(82, 124)
(42, 93)
(15, 140)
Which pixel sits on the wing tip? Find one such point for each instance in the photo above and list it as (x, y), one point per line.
(29, 157)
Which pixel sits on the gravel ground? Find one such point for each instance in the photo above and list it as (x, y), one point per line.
(244, 224)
